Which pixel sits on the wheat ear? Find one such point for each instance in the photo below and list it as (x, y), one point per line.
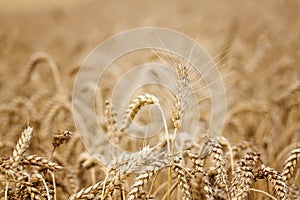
(290, 164)
(148, 171)
(280, 187)
(184, 179)
(110, 122)
(41, 162)
(219, 161)
(22, 146)
(136, 106)
(243, 176)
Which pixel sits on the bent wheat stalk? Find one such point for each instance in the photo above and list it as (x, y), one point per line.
(39, 58)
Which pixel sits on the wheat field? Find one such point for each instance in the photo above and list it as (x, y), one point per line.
(255, 45)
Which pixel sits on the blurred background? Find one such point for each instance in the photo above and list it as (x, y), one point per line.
(68, 30)
(254, 43)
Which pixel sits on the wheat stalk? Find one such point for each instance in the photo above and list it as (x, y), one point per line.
(34, 61)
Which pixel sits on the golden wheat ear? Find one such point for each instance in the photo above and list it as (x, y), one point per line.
(280, 188)
(243, 176)
(136, 106)
(183, 177)
(22, 146)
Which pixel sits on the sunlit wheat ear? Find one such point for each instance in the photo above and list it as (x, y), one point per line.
(136, 106)
(243, 176)
(290, 164)
(133, 162)
(34, 61)
(22, 146)
(88, 192)
(280, 187)
(126, 164)
(101, 189)
(183, 91)
(41, 162)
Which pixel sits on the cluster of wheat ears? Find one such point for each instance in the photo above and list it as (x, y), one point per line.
(48, 161)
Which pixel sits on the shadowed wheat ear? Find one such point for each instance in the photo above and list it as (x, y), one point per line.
(61, 137)
(291, 164)
(219, 161)
(184, 178)
(243, 176)
(101, 189)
